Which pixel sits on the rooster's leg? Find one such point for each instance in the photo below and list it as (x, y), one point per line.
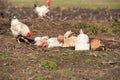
(47, 16)
(18, 40)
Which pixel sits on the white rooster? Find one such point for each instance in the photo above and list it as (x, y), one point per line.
(19, 29)
(82, 42)
(42, 10)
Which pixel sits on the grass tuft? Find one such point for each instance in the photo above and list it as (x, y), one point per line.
(49, 64)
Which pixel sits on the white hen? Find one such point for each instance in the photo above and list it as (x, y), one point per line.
(41, 41)
(82, 42)
(53, 42)
(42, 10)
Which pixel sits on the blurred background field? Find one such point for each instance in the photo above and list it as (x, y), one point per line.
(90, 4)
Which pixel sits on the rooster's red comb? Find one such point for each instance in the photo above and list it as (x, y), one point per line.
(48, 3)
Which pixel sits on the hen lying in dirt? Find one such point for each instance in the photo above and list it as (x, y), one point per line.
(69, 39)
(41, 41)
(82, 42)
(48, 42)
(96, 44)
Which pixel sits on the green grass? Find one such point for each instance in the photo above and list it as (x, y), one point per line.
(49, 64)
(112, 28)
(88, 61)
(40, 78)
(93, 4)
